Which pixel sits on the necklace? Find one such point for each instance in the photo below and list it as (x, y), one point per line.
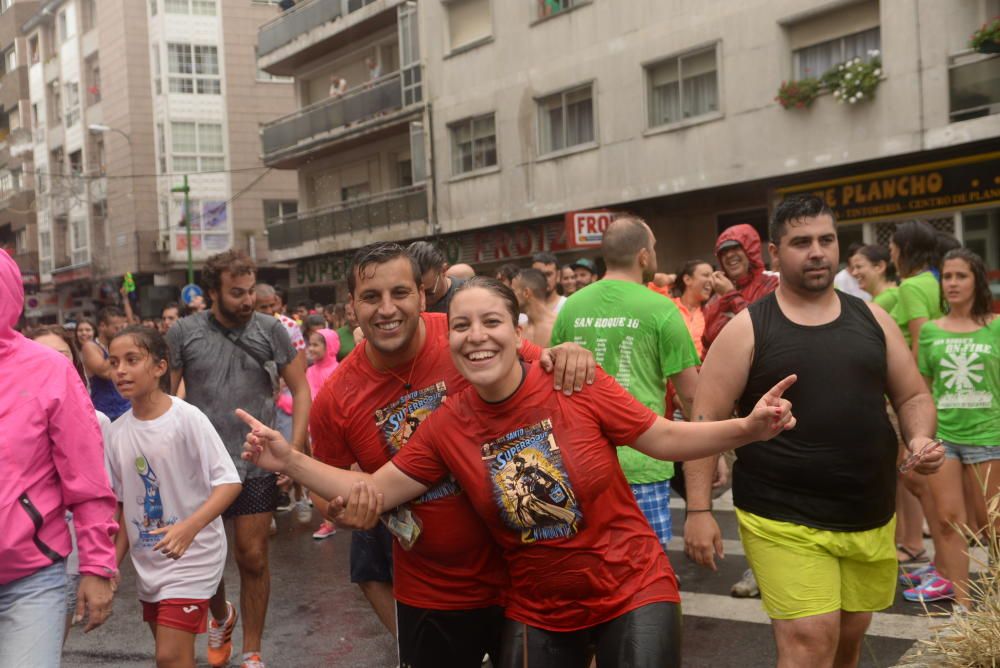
(407, 385)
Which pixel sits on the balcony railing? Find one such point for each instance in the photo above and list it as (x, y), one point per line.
(974, 86)
(321, 118)
(381, 210)
(302, 18)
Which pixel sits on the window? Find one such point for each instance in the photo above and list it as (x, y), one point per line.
(88, 16)
(5, 5)
(194, 68)
(813, 61)
(275, 208)
(153, 9)
(55, 103)
(357, 191)
(33, 52)
(72, 103)
(548, 8)
(566, 119)
(10, 60)
(79, 241)
(197, 147)
(45, 251)
(161, 147)
(468, 22)
(197, 7)
(682, 88)
(473, 144)
(973, 87)
(63, 27)
(93, 81)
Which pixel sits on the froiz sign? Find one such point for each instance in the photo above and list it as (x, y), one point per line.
(586, 228)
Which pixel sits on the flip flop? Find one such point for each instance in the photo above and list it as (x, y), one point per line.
(912, 558)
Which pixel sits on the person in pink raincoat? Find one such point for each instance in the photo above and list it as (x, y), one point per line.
(322, 352)
(324, 344)
(51, 461)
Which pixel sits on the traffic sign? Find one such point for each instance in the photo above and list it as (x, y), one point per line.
(189, 292)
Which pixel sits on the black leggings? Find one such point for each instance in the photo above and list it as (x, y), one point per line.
(647, 637)
(447, 638)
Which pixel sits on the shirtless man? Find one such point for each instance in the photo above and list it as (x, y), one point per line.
(529, 285)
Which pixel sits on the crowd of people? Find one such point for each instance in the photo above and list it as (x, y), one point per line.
(504, 447)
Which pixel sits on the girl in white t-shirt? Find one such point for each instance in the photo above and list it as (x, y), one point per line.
(173, 478)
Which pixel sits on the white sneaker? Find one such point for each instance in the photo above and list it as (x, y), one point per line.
(303, 513)
(746, 587)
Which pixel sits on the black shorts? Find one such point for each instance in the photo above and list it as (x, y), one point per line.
(647, 637)
(259, 495)
(452, 638)
(371, 555)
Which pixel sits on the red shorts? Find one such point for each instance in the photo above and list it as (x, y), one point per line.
(185, 614)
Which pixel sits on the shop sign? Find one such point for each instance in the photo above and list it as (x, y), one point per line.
(585, 229)
(321, 270)
(511, 242)
(62, 277)
(897, 193)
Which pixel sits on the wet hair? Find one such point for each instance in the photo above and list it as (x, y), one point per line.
(312, 322)
(623, 240)
(69, 338)
(376, 254)
(497, 288)
(982, 298)
(426, 255)
(795, 208)
(507, 272)
(545, 258)
(677, 289)
(235, 262)
(917, 242)
(105, 315)
(155, 344)
(171, 305)
(535, 281)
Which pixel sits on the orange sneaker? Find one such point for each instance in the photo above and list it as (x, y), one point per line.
(220, 637)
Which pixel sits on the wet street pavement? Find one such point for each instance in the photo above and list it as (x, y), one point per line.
(318, 619)
(316, 616)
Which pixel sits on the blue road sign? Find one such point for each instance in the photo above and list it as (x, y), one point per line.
(189, 292)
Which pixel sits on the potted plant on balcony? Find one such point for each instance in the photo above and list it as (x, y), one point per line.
(987, 38)
(855, 80)
(798, 94)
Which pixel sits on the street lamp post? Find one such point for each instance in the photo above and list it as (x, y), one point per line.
(185, 189)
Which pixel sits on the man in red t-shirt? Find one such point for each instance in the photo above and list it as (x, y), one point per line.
(448, 586)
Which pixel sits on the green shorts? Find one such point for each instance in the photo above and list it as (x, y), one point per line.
(803, 571)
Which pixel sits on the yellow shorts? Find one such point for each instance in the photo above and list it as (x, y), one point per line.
(803, 571)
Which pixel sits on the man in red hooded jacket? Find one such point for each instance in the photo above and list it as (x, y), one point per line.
(741, 282)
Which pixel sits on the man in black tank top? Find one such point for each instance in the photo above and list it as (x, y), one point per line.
(816, 503)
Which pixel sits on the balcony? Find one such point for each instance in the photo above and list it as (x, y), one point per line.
(27, 261)
(314, 28)
(381, 211)
(973, 86)
(362, 112)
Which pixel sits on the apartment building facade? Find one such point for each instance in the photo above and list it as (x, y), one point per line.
(545, 117)
(18, 234)
(130, 99)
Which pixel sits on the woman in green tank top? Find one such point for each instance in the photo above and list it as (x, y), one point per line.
(870, 268)
(959, 356)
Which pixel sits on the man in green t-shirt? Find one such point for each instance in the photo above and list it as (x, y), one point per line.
(639, 337)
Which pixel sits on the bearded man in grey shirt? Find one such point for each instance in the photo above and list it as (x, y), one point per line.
(231, 357)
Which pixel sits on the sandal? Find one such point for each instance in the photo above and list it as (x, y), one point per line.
(919, 557)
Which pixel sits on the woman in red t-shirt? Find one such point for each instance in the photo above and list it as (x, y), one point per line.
(541, 470)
